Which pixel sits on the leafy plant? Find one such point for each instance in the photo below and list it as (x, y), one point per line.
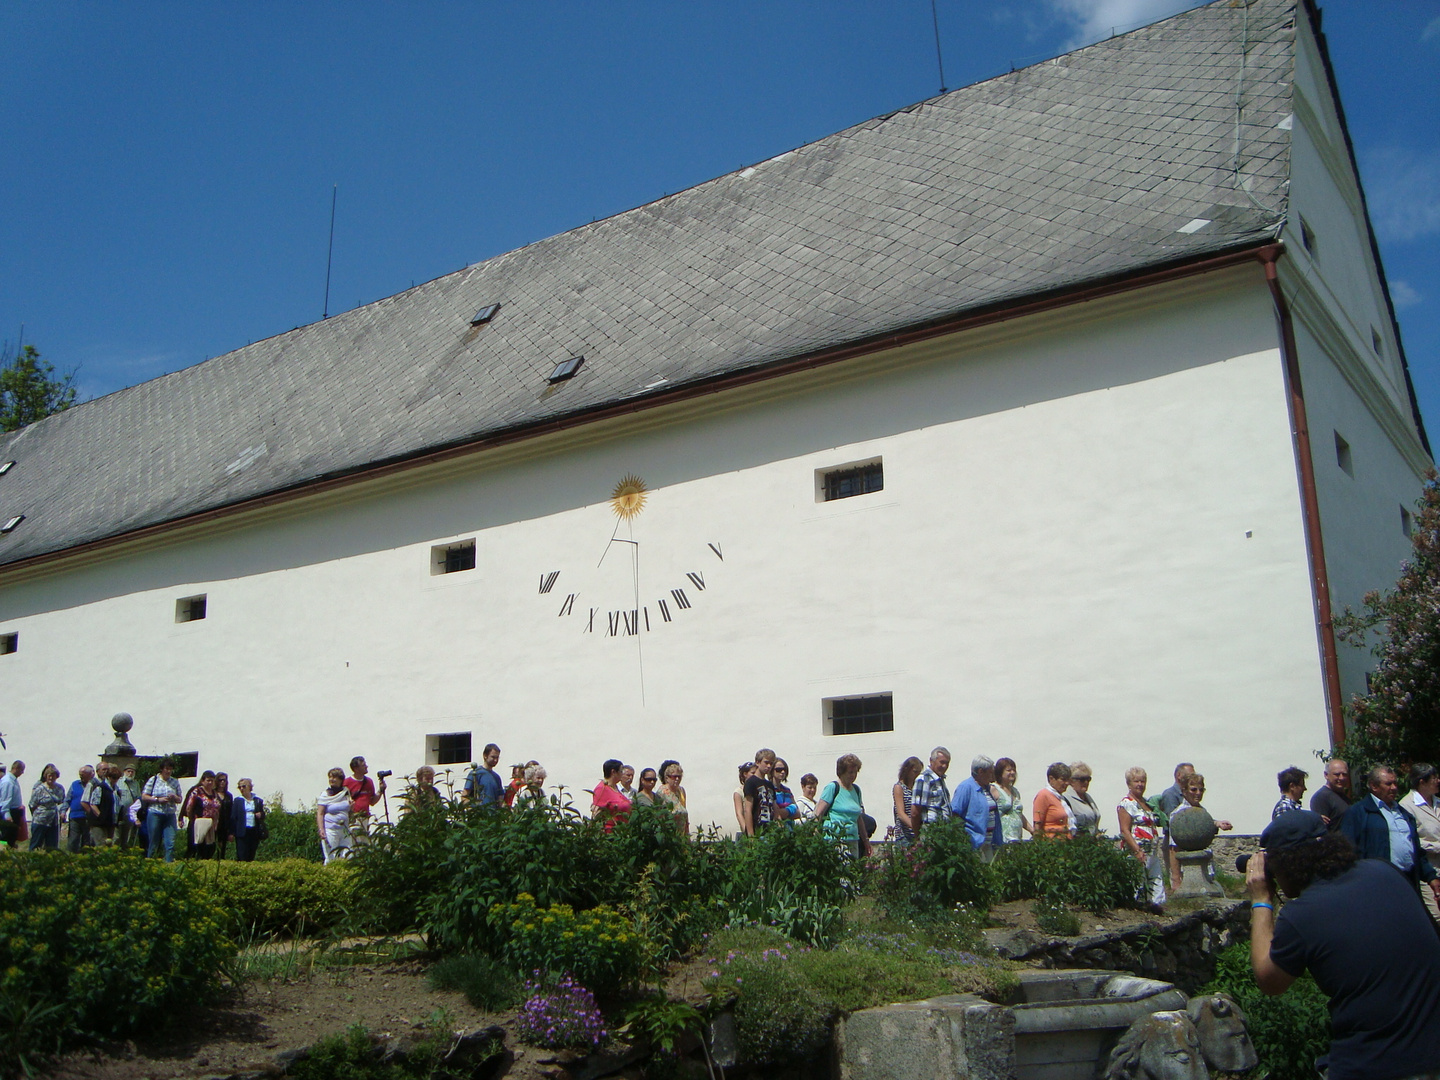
(1089, 872)
(663, 1022)
(356, 1054)
(1055, 918)
(1289, 1031)
(599, 947)
(562, 1014)
(933, 875)
(486, 983)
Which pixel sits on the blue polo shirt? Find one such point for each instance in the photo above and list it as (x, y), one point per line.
(77, 796)
(974, 806)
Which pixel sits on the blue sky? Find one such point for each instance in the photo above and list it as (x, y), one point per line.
(168, 166)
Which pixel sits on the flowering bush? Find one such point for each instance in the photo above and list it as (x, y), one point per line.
(103, 943)
(599, 947)
(561, 1015)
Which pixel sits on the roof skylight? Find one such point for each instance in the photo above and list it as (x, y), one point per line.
(566, 369)
(9, 526)
(484, 315)
(6, 466)
(1194, 225)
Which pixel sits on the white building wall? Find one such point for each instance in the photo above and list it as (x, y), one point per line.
(1089, 544)
(1354, 390)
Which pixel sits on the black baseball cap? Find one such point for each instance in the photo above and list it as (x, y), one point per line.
(1293, 828)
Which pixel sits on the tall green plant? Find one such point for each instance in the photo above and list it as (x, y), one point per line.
(1289, 1031)
(1090, 872)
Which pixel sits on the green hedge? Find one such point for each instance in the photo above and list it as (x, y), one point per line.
(104, 943)
(291, 896)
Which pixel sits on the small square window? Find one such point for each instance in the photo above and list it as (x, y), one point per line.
(859, 715)
(1377, 342)
(1342, 455)
(848, 481)
(11, 523)
(566, 369)
(1308, 239)
(9, 643)
(1407, 522)
(6, 466)
(190, 609)
(452, 558)
(452, 748)
(484, 315)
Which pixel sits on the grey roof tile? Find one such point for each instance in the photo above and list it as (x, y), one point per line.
(1079, 167)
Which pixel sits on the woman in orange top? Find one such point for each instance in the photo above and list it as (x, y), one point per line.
(1051, 815)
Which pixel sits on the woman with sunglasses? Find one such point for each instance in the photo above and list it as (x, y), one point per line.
(786, 807)
(1085, 809)
(645, 794)
(671, 794)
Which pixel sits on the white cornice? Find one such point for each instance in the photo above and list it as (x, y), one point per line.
(1310, 309)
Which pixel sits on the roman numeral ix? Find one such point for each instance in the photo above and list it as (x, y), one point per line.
(569, 605)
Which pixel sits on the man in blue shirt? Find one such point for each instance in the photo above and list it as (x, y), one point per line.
(975, 806)
(1379, 829)
(483, 786)
(79, 835)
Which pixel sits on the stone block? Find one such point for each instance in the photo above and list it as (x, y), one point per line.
(955, 1037)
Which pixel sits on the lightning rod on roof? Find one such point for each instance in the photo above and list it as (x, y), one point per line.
(939, 60)
(330, 251)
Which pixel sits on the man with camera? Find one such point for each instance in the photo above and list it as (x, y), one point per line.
(362, 794)
(1357, 926)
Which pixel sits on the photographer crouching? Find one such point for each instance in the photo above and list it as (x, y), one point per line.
(1359, 928)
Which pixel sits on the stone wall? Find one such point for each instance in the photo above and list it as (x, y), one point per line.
(1181, 951)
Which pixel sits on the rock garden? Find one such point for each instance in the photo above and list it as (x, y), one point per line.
(471, 943)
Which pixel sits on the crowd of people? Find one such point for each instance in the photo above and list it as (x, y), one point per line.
(108, 805)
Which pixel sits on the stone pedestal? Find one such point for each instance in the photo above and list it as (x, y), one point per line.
(120, 751)
(1197, 875)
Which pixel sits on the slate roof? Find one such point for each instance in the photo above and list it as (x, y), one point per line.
(1073, 170)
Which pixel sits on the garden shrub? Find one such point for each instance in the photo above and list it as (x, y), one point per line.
(779, 1018)
(402, 864)
(668, 883)
(486, 983)
(1089, 872)
(292, 833)
(114, 940)
(355, 1054)
(599, 947)
(1289, 1031)
(801, 861)
(290, 896)
(935, 874)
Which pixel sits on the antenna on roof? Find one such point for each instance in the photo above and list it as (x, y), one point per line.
(330, 251)
(939, 60)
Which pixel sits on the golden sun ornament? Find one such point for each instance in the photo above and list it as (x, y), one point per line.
(628, 498)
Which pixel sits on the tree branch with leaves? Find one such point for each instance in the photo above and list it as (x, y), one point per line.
(30, 390)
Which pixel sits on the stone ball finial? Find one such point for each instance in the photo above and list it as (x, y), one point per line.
(122, 722)
(1193, 828)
